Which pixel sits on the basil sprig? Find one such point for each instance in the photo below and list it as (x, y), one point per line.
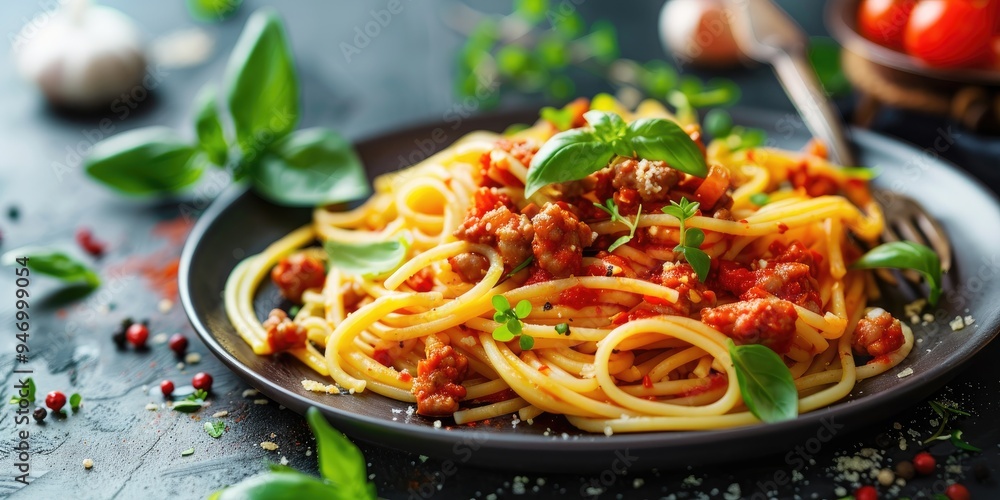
(54, 263)
(906, 255)
(611, 208)
(765, 382)
(341, 465)
(371, 260)
(577, 153)
(289, 167)
(690, 240)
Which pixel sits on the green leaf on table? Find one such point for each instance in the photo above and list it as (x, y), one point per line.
(211, 138)
(150, 160)
(187, 452)
(310, 167)
(215, 429)
(567, 156)
(371, 260)
(213, 10)
(665, 140)
(765, 382)
(282, 485)
(262, 84)
(29, 391)
(906, 255)
(75, 400)
(54, 263)
(340, 462)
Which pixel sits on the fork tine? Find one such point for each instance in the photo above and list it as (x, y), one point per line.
(907, 231)
(938, 238)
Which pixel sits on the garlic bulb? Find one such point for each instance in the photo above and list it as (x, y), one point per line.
(698, 32)
(81, 55)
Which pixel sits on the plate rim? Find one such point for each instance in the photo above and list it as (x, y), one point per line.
(919, 386)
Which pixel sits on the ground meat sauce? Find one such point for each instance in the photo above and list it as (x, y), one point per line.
(494, 220)
(471, 267)
(282, 333)
(495, 173)
(790, 275)
(692, 294)
(560, 238)
(769, 322)
(438, 386)
(297, 273)
(877, 334)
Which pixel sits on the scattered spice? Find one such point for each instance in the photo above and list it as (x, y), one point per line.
(957, 492)
(88, 464)
(906, 470)
(137, 334)
(202, 381)
(167, 388)
(178, 343)
(924, 463)
(39, 414)
(192, 358)
(85, 238)
(55, 400)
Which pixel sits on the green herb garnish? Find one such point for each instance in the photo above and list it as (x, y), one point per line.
(74, 401)
(261, 97)
(766, 384)
(520, 267)
(906, 255)
(192, 403)
(577, 153)
(371, 260)
(54, 263)
(562, 329)
(215, 429)
(341, 465)
(189, 451)
(611, 208)
(690, 239)
(510, 321)
(760, 199)
(945, 413)
(29, 391)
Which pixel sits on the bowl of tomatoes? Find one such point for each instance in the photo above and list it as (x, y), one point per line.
(948, 40)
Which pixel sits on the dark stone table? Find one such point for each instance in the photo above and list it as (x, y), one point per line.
(402, 76)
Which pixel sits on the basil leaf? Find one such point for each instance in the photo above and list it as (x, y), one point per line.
(211, 139)
(694, 237)
(371, 260)
(340, 462)
(765, 382)
(311, 167)
(213, 10)
(760, 199)
(215, 429)
(144, 161)
(285, 485)
(54, 263)
(263, 87)
(527, 342)
(607, 126)
(664, 140)
(699, 260)
(567, 156)
(906, 255)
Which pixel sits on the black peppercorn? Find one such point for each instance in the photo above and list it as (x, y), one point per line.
(39, 414)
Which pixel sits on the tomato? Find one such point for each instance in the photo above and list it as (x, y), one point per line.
(883, 21)
(951, 33)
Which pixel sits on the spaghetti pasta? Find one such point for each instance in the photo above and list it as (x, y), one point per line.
(626, 340)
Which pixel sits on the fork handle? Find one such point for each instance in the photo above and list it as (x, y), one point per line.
(799, 80)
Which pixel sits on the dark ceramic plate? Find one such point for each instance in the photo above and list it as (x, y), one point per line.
(240, 224)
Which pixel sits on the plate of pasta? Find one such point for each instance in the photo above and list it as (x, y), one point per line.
(598, 282)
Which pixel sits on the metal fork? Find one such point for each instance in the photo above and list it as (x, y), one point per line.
(767, 34)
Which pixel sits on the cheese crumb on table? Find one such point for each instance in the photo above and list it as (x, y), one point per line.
(88, 463)
(314, 386)
(269, 446)
(250, 393)
(220, 414)
(905, 373)
(192, 358)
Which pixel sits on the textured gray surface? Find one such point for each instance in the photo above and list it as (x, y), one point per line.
(402, 76)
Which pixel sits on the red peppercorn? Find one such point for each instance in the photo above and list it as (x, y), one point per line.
(203, 381)
(866, 493)
(957, 492)
(137, 334)
(167, 388)
(178, 343)
(55, 400)
(87, 242)
(924, 463)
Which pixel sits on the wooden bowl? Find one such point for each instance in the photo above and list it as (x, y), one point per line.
(885, 76)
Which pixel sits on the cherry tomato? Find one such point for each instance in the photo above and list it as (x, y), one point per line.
(883, 21)
(866, 493)
(957, 492)
(951, 33)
